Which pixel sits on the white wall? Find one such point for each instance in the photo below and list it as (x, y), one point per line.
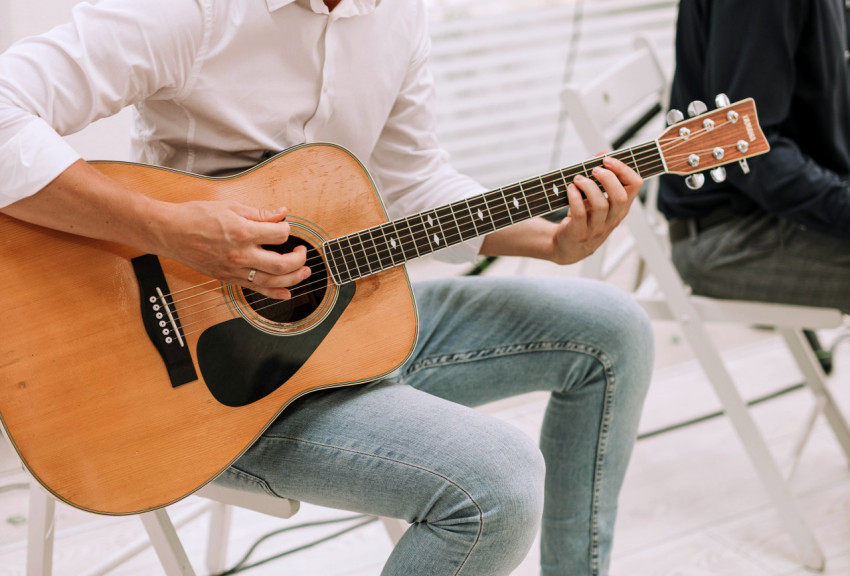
(104, 140)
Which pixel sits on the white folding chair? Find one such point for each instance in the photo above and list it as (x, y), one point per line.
(595, 110)
(162, 530)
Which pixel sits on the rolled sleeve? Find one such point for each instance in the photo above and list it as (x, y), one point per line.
(31, 160)
(412, 169)
(111, 55)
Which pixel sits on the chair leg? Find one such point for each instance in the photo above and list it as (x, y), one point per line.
(753, 442)
(220, 515)
(166, 543)
(42, 509)
(816, 380)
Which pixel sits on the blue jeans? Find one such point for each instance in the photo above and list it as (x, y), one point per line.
(473, 487)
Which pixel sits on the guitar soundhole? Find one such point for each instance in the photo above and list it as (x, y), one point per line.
(306, 296)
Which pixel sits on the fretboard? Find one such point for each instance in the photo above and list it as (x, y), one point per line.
(387, 245)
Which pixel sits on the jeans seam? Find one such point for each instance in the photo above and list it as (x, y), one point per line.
(414, 466)
(552, 346)
(501, 351)
(602, 446)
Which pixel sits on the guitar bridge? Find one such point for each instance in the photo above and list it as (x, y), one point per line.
(161, 321)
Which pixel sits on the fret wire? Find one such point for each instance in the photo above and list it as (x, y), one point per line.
(374, 246)
(330, 261)
(409, 242)
(561, 196)
(399, 241)
(440, 226)
(485, 223)
(525, 199)
(545, 193)
(413, 234)
(471, 218)
(363, 254)
(453, 237)
(536, 201)
(383, 230)
(505, 201)
(431, 243)
(338, 244)
(495, 200)
(426, 246)
(488, 203)
(351, 257)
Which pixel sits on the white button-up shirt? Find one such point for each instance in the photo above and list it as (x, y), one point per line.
(216, 84)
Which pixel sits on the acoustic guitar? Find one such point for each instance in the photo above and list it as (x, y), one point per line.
(128, 381)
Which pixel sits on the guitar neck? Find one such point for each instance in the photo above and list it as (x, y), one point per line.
(387, 245)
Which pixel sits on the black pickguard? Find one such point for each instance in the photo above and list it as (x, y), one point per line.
(242, 364)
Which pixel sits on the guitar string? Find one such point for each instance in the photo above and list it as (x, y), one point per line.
(498, 213)
(532, 193)
(313, 262)
(321, 279)
(641, 151)
(297, 290)
(646, 150)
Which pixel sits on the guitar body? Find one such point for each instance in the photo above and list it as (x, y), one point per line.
(85, 395)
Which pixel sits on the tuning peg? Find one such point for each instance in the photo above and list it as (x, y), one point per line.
(744, 165)
(695, 181)
(674, 116)
(718, 174)
(722, 100)
(696, 108)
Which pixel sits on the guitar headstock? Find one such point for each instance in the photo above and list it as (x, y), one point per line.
(712, 139)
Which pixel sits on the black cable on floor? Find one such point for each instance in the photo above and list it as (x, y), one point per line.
(241, 565)
(712, 415)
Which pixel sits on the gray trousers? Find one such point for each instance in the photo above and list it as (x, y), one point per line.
(762, 258)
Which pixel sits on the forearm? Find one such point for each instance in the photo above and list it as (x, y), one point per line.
(532, 238)
(84, 202)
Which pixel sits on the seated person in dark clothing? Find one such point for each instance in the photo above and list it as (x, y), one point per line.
(782, 232)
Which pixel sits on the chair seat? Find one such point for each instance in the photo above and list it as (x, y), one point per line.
(756, 313)
(263, 503)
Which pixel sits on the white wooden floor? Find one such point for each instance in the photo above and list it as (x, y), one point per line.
(691, 505)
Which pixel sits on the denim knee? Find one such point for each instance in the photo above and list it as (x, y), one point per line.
(502, 501)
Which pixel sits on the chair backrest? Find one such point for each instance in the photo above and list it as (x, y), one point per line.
(621, 96)
(624, 102)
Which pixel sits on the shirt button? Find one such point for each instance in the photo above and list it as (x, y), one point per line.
(325, 88)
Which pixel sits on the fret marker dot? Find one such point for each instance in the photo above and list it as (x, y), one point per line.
(480, 214)
(430, 221)
(436, 240)
(555, 190)
(516, 203)
(393, 243)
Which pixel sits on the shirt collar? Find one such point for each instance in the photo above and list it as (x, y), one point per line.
(344, 9)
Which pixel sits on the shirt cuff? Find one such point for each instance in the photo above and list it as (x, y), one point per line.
(31, 160)
(462, 253)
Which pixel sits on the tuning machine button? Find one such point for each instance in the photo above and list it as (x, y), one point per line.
(744, 165)
(696, 108)
(722, 100)
(718, 174)
(674, 116)
(695, 181)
